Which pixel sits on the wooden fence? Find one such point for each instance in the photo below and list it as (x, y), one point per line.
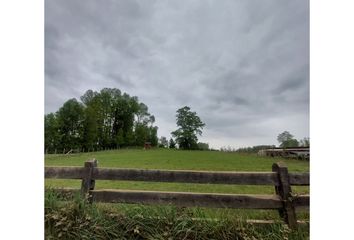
(283, 200)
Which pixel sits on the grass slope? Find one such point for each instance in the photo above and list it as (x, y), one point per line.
(173, 160)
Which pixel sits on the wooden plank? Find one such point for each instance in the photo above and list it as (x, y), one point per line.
(64, 172)
(301, 201)
(188, 199)
(284, 191)
(300, 179)
(245, 178)
(247, 221)
(263, 222)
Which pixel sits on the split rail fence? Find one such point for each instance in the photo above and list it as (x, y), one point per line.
(283, 200)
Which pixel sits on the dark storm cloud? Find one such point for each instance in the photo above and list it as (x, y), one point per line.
(243, 66)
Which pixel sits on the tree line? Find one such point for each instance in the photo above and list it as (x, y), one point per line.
(102, 120)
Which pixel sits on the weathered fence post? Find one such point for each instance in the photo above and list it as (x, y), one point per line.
(88, 183)
(284, 191)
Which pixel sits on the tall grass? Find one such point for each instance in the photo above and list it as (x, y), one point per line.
(76, 219)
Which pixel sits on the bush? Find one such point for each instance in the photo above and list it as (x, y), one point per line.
(203, 146)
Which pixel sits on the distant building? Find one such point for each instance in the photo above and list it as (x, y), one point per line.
(293, 152)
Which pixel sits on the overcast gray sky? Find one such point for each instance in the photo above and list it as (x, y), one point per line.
(243, 66)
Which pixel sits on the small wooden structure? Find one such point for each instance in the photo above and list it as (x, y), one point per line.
(147, 145)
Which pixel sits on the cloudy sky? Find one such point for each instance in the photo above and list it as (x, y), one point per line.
(243, 65)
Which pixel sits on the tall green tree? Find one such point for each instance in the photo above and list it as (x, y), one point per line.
(51, 134)
(172, 143)
(141, 134)
(93, 123)
(287, 140)
(305, 142)
(153, 136)
(189, 126)
(70, 124)
(163, 142)
(120, 138)
(90, 132)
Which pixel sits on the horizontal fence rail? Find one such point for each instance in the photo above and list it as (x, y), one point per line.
(184, 199)
(248, 178)
(283, 200)
(239, 178)
(301, 201)
(299, 179)
(64, 172)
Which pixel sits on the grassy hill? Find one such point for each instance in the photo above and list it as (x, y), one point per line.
(173, 160)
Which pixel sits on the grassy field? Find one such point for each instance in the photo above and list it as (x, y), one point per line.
(173, 160)
(181, 160)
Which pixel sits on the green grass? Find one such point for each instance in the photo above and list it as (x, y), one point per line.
(175, 160)
(181, 160)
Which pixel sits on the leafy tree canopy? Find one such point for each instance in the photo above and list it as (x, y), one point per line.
(172, 143)
(305, 142)
(189, 126)
(287, 140)
(104, 119)
(163, 142)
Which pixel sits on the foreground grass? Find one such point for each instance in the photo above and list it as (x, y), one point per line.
(78, 220)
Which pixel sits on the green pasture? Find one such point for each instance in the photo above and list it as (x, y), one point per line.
(174, 160)
(181, 160)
